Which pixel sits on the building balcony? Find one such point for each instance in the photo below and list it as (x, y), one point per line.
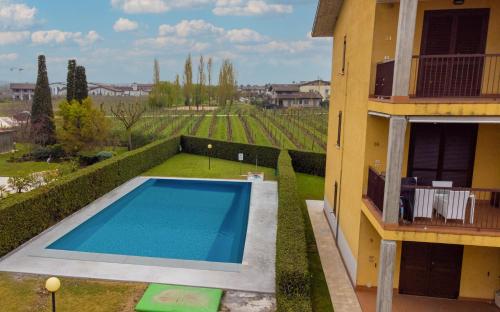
(459, 76)
(439, 206)
(435, 52)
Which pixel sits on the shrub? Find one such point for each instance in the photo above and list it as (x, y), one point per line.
(266, 156)
(42, 153)
(308, 162)
(25, 215)
(292, 272)
(103, 155)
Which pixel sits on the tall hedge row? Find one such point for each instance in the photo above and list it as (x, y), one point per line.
(266, 156)
(308, 162)
(26, 215)
(292, 272)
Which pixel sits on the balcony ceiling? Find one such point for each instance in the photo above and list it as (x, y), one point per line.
(327, 13)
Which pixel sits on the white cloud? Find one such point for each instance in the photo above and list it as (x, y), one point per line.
(8, 57)
(187, 28)
(10, 37)
(278, 46)
(15, 16)
(59, 37)
(252, 7)
(123, 24)
(141, 6)
(244, 35)
(161, 42)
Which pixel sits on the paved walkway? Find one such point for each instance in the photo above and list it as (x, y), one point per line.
(341, 291)
(406, 303)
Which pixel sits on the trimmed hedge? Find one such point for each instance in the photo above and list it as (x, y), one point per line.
(26, 215)
(293, 280)
(266, 156)
(308, 162)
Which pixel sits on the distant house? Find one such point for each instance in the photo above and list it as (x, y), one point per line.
(289, 95)
(252, 90)
(298, 99)
(320, 86)
(106, 90)
(57, 88)
(22, 91)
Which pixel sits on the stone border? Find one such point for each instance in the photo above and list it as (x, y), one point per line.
(256, 273)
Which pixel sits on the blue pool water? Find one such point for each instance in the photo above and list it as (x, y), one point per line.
(163, 218)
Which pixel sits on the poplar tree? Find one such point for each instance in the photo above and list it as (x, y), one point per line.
(70, 80)
(188, 81)
(200, 87)
(42, 116)
(226, 90)
(81, 87)
(209, 74)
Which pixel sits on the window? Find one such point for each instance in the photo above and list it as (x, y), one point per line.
(343, 54)
(339, 129)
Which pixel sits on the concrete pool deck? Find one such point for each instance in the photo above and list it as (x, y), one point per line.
(255, 274)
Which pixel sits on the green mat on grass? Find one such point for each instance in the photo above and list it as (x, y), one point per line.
(171, 298)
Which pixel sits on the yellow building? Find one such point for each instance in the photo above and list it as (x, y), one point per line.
(413, 160)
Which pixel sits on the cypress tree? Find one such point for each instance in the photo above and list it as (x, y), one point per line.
(70, 81)
(81, 87)
(42, 115)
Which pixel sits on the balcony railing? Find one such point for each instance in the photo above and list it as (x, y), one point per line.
(477, 208)
(453, 75)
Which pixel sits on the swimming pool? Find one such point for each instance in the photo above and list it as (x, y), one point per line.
(199, 220)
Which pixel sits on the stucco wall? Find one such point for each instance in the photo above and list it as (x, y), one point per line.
(349, 94)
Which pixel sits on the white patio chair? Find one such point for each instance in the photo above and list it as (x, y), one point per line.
(424, 200)
(454, 205)
(442, 183)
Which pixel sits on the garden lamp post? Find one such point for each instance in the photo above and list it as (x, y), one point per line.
(52, 285)
(209, 154)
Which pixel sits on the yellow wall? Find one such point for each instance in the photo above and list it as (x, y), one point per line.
(349, 94)
(480, 272)
(480, 265)
(487, 159)
(377, 138)
(387, 19)
(368, 257)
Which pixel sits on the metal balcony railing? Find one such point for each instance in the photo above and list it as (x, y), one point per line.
(455, 75)
(477, 208)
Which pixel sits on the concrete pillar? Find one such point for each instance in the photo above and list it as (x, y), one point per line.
(395, 150)
(385, 275)
(404, 47)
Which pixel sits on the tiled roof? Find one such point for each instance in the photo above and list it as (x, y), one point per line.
(14, 86)
(300, 95)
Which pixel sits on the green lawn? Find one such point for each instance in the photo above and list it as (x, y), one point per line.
(258, 133)
(205, 125)
(195, 166)
(238, 130)
(26, 293)
(221, 128)
(311, 187)
(8, 169)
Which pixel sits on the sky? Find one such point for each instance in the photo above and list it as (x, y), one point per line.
(118, 40)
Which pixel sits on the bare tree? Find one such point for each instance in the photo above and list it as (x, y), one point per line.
(128, 114)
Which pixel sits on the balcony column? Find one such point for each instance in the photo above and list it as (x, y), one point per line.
(395, 150)
(404, 48)
(385, 275)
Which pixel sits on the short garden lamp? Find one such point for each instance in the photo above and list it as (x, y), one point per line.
(209, 154)
(52, 285)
